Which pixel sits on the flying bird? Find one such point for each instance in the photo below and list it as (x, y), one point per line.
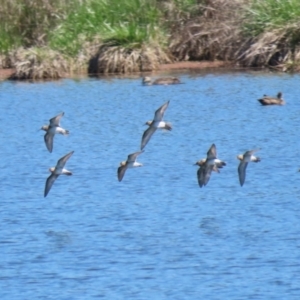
(52, 129)
(207, 165)
(156, 123)
(244, 160)
(56, 171)
(162, 125)
(129, 163)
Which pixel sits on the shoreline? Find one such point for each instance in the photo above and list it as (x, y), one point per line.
(6, 73)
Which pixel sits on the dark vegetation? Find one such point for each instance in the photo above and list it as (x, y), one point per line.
(49, 38)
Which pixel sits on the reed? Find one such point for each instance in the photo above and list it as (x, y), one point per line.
(214, 33)
(262, 16)
(131, 22)
(27, 23)
(131, 35)
(38, 63)
(137, 35)
(272, 35)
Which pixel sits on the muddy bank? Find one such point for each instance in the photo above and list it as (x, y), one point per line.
(7, 73)
(194, 65)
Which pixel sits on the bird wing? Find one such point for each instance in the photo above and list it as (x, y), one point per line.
(62, 161)
(132, 157)
(200, 176)
(250, 152)
(49, 182)
(48, 137)
(206, 173)
(147, 135)
(121, 172)
(242, 172)
(159, 114)
(55, 120)
(212, 152)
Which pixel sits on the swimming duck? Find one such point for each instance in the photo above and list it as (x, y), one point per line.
(268, 100)
(161, 81)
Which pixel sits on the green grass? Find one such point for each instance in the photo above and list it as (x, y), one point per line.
(143, 30)
(128, 23)
(27, 22)
(263, 15)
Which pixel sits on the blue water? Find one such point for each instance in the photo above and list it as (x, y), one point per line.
(156, 234)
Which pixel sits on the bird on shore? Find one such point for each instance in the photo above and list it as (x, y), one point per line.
(207, 165)
(56, 171)
(160, 81)
(268, 100)
(129, 163)
(156, 123)
(52, 129)
(244, 160)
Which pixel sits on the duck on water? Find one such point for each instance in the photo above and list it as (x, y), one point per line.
(161, 81)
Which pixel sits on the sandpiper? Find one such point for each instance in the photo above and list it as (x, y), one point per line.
(245, 159)
(207, 165)
(52, 129)
(268, 100)
(56, 171)
(129, 163)
(156, 123)
(161, 81)
(161, 125)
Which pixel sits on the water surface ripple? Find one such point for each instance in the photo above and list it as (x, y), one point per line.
(155, 235)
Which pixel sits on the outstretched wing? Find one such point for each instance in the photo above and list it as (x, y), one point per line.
(49, 182)
(55, 120)
(132, 157)
(242, 172)
(212, 152)
(200, 176)
(121, 172)
(206, 173)
(48, 137)
(62, 161)
(159, 114)
(147, 135)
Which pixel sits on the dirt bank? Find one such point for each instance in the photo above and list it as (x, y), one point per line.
(6, 73)
(194, 65)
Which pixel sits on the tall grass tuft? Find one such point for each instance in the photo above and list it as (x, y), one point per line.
(124, 30)
(128, 23)
(118, 59)
(215, 33)
(273, 31)
(270, 14)
(38, 63)
(27, 23)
